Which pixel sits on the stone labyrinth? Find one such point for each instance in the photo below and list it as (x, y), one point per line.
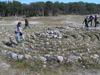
(54, 46)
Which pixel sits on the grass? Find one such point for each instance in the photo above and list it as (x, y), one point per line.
(73, 40)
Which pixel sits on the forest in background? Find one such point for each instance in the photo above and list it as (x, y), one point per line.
(48, 8)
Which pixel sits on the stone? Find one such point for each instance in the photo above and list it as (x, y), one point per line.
(50, 59)
(33, 35)
(14, 56)
(26, 49)
(42, 58)
(28, 56)
(47, 43)
(73, 57)
(95, 56)
(44, 66)
(1, 50)
(20, 57)
(8, 52)
(60, 59)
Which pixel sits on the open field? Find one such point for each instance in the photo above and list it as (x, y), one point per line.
(58, 45)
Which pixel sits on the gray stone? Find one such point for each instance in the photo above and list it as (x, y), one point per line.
(20, 57)
(60, 59)
(50, 59)
(28, 56)
(26, 49)
(8, 52)
(42, 58)
(14, 56)
(47, 43)
(1, 50)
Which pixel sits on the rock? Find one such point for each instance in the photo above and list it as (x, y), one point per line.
(8, 52)
(60, 59)
(26, 49)
(1, 50)
(28, 35)
(20, 57)
(33, 35)
(0, 32)
(47, 43)
(28, 56)
(14, 56)
(73, 57)
(32, 46)
(44, 66)
(47, 55)
(75, 53)
(42, 58)
(50, 59)
(95, 56)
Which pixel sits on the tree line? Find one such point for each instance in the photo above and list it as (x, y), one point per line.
(48, 8)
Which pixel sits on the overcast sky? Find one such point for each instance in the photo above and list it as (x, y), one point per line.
(65, 1)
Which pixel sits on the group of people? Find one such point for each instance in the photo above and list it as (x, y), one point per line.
(19, 32)
(90, 19)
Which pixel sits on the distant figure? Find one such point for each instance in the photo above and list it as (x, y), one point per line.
(26, 23)
(86, 20)
(19, 34)
(95, 20)
(91, 19)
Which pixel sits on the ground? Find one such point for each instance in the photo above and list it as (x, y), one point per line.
(76, 41)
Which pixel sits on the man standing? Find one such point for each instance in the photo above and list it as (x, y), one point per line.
(95, 20)
(19, 34)
(26, 23)
(91, 19)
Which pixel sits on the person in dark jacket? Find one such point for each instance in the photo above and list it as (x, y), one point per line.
(86, 20)
(26, 23)
(91, 19)
(95, 20)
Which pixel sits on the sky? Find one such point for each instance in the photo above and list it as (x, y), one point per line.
(64, 1)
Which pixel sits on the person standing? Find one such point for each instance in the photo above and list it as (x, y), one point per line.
(26, 23)
(91, 19)
(86, 22)
(95, 20)
(19, 34)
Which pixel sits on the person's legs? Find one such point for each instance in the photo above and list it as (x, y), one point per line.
(25, 26)
(91, 23)
(23, 40)
(18, 40)
(28, 26)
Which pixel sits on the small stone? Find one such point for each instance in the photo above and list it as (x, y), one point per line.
(43, 59)
(28, 56)
(1, 50)
(8, 52)
(14, 56)
(50, 59)
(47, 43)
(60, 59)
(20, 57)
(44, 66)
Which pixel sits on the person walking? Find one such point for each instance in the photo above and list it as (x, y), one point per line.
(91, 19)
(86, 20)
(19, 34)
(95, 20)
(26, 23)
